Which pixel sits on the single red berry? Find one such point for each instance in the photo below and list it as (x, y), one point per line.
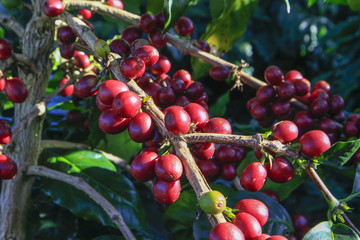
(194, 90)
(251, 103)
(203, 151)
(67, 91)
(66, 35)
(273, 75)
(226, 231)
(5, 132)
(285, 131)
(132, 67)
(147, 22)
(142, 167)
(327, 125)
(228, 172)
(219, 73)
(303, 120)
(141, 127)
(255, 208)
(177, 120)
(336, 104)
(225, 154)
(168, 168)
(110, 123)
(101, 106)
(116, 3)
(160, 20)
(286, 90)
(202, 45)
(67, 51)
(319, 108)
(253, 177)
(6, 50)
(109, 89)
(8, 168)
(166, 96)
(163, 65)
(2, 83)
(319, 94)
(339, 117)
(299, 221)
(126, 104)
(16, 90)
(166, 192)
(183, 75)
(131, 33)
(314, 143)
(85, 13)
(248, 225)
(84, 87)
(292, 75)
(157, 38)
(260, 112)
(280, 108)
(302, 86)
(265, 94)
(281, 170)
(209, 168)
(81, 60)
(324, 85)
(148, 54)
(240, 153)
(217, 125)
(53, 8)
(184, 27)
(351, 129)
(198, 115)
(120, 46)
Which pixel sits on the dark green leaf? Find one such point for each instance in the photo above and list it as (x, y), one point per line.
(339, 153)
(230, 24)
(155, 6)
(279, 222)
(343, 232)
(356, 186)
(102, 175)
(342, 2)
(216, 8)
(219, 108)
(2, 32)
(319, 232)
(173, 10)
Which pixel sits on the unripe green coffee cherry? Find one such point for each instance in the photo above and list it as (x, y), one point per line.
(101, 48)
(212, 202)
(10, 4)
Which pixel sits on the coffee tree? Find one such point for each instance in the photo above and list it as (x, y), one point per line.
(107, 133)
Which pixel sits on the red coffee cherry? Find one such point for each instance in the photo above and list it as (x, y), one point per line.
(8, 168)
(109, 89)
(120, 46)
(263, 236)
(217, 125)
(152, 89)
(87, 14)
(265, 94)
(240, 153)
(226, 231)
(16, 90)
(160, 20)
(302, 86)
(81, 60)
(126, 104)
(116, 3)
(300, 222)
(319, 94)
(277, 237)
(228, 172)
(251, 103)
(2, 83)
(148, 54)
(67, 91)
(157, 38)
(280, 108)
(248, 225)
(6, 50)
(292, 75)
(141, 127)
(324, 85)
(132, 67)
(53, 8)
(5, 132)
(142, 167)
(184, 27)
(327, 125)
(303, 120)
(281, 170)
(66, 35)
(255, 208)
(203, 151)
(166, 96)
(202, 45)
(183, 75)
(147, 22)
(286, 90)
(163, 65)
(284, 131)
(260, 112)
(314, 143)
(336, 104)
(253, 177)
(177, 120)
(319, 108)
(198, 115)
(194, 90)
(131, 33)
(219, 73)
(168, 168)
(84, 87)
(166, 192)
(273, 75)
(67, 51)
(101, 106)
(225, 154)
(209, 168)
(111, 123)
(351, 129)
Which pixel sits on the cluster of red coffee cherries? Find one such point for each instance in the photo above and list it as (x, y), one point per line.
(8, 167)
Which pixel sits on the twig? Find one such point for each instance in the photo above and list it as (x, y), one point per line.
(11, 23)
(19, 59)
(83, 186)
(350, 224)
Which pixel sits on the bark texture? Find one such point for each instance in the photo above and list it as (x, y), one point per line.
(24, 150)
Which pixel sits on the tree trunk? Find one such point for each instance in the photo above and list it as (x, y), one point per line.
(25, 150)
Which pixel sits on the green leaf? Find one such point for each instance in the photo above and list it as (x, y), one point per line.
(230, 25)
(339, 153)
(217, 8)
(219, 108)
(342, 2)
(356, 186)
(154, 6)
(2, 32)
(324, 231)
(311, 2)
(279, 222)
(102, 175)
(173, 10)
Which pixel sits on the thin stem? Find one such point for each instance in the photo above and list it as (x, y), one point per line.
(11, 23)
(350, 224)
(83, 186)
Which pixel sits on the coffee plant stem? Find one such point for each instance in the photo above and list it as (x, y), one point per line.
(83, 186)
(11, 23)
